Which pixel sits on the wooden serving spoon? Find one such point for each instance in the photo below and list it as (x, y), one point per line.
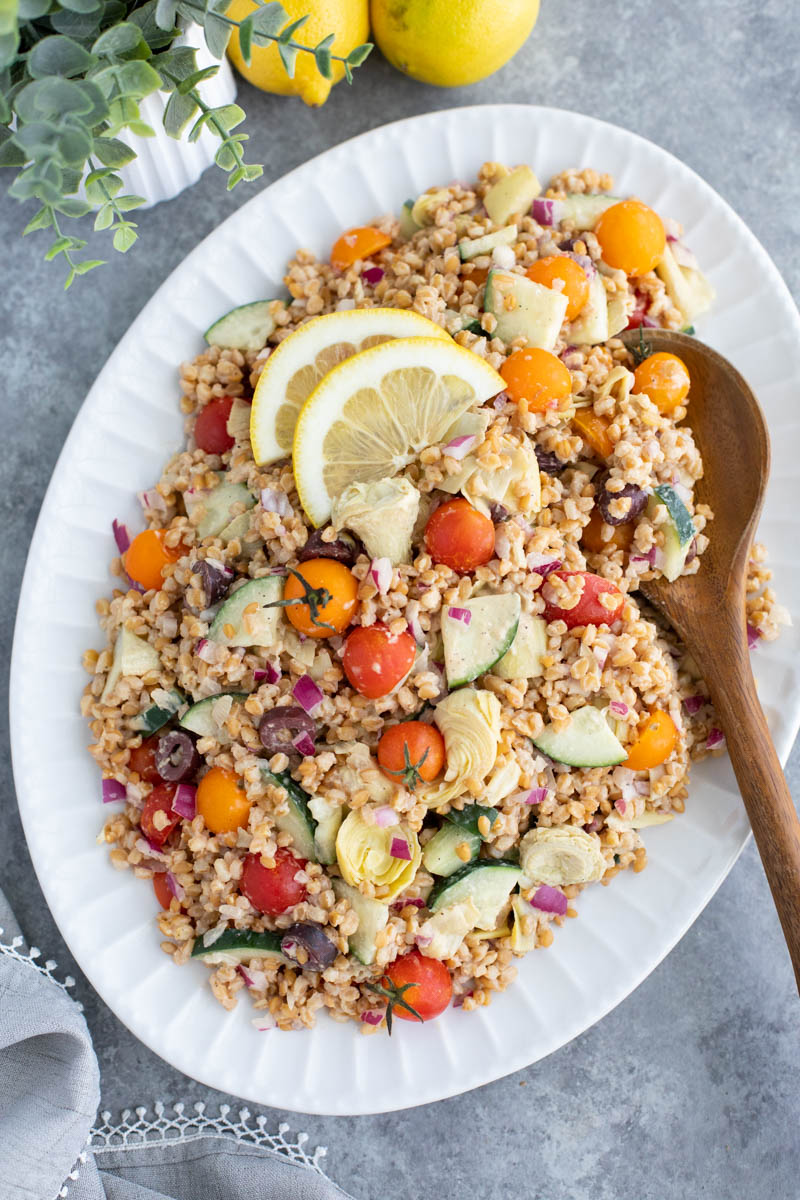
(707, 610)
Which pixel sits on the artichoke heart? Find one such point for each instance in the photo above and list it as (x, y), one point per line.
(364, 855)
(360, 770)
(382, 514)
(516, 486)
(447, 929)
(469, 722)
(561, 855)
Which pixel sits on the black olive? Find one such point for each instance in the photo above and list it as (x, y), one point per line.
(216, 579)
(274, 725)
(176, 757)
(345, 549)
(319, 948)
(549, 462)
(631, 492)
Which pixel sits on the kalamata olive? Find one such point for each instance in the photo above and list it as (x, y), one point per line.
(603, 498)
(176, 757)
(319, 948)
(549, 462)
(345, 548)
(277, 728)
(498, 513)
(215, 577)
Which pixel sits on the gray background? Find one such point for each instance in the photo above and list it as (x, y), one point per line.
(690, 1087)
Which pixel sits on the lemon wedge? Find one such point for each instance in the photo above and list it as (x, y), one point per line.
(374, 413)
(298, 364)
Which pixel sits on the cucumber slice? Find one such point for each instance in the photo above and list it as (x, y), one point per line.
(523, 659)
(687, 288)
(237, 528)
(439, 856)
(408, 226)
(583, 211)
(238, 945)
(217, 504)
(514, 193)
(587, 742)
(155, 716)
(244, 328)
(328, 818)
(487, 883)
(618, 313)
(372, 918)
(258, 628)
(471, 247)
(591, 327)
(537, 313)
(132, 656)
(467, 818)
(298, 821)
(679, 531)
(198, 718)
(472, 649)
(471, 324)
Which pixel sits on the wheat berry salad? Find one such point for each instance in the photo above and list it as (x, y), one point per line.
(379, 698)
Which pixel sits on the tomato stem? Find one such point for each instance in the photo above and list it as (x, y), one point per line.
(395, 996)
(409, 772)
(315, 600)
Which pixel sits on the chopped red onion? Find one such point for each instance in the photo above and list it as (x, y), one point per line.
(542, 564)
(423, 939)
(715, 739)
(682, 254)
(156, 849)
(113, 791)
(307, 694)
(244, 975)
(380, 570)
(621, 806)
(305, 744)
(618, 708)
(205, 650)
(386, 816)
(400, 849)
(672, 228)
(417, 632)
(753, 636)
(153, 499)
(550, 899)
(460, 446)
(460, 614)
(373, 275)
(399, 905)
(593, 825)
(184, 802)
(459, 1000)
(650, 322)
(649, 558)
(693, 704)
(121, 535)
(275, 501)
(537, 795)
(586, 263)
(641, 787)
(500, 401)
(544, 211)
(264, 1022)
(271, 673)
(372, 1017)
(174, 886)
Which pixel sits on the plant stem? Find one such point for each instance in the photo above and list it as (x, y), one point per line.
(57, 228)
(118, 213)
(272, 37)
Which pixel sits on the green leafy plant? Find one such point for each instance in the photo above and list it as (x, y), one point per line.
(72, 76)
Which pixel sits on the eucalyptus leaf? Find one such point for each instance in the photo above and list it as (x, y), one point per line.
(179, 62)
(288, 58)
(11, 154)
(59, 55)
(178, 113)
(246, 38)
(72, 207)
(360, 54)
(31, 10)
(42, 220)
(89, 265)
(166, 13)
(8, 16)
(58, 247)
(104, 217)
(121, 41)
(112, 152)
(81, 6)
(5, 112)
(128, 203)
(124, 238)
(74, 145)
(217, 34)
(228, 116)
(268, 19)
(153, 34)
(322, 56)
(141, 129)
(289, 31)
(50, 98)
(225, 157)
(9, 44)
(91, 93)
(80, 26)
(188, 84)
(137, 79)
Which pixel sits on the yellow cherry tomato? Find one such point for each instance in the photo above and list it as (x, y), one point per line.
(537, 377)
(594, 431)
(361, 242)
(222, 801)
(330, 592)
(592, 536)
(564, 274)
(631, 237)
(655, 742)
(664, 378)
(146, 557)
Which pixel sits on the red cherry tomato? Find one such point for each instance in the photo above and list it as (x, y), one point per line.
(161, 889)
(154, 826)
(211, 427)
(431, 986)
(273, 890)
(459, 536)
(375, 660)
(143, 760)
(589, 610)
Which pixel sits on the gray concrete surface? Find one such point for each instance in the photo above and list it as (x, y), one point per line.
(689, 1088)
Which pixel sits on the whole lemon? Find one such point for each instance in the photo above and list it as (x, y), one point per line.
(451, 42)
(348, 19)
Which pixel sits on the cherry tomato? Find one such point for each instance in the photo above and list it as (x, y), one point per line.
(273, 890)
(375, 660)
(361, 242)
(592, 536)
(655, 742)
(594, 431)
(459, 536)
(147, 556)
(431, 987)
(664, 378)
(158, 820)
(589, 610)
(161, 889)
(478, 275)
(211, 426)
(331, 590)
(631, 237)
(143, 760)
(411, 751)
(537, 377)
(222, 801)
(567, 276)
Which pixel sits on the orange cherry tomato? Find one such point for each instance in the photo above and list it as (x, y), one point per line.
(431, 987)
(459, 536)
(563, 273)
(594, 431)
(664, 378)
(655, 742)
(592, 536)
(147, 556)
(375, 660)
(331, 591)
(411, 751)
(538, 377)
(361, 242)
(631, 237)
(222, 801)
(161, 889)
(478, 275)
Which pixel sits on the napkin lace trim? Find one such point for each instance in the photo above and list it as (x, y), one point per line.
(13, 950)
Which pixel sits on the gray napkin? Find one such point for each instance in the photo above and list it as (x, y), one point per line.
(53, 1144)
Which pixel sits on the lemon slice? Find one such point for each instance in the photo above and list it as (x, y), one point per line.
(295, 368)
(371, 415)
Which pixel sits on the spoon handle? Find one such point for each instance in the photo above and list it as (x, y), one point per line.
(764, 789)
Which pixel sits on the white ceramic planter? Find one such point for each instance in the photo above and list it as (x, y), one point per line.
(164, 166)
